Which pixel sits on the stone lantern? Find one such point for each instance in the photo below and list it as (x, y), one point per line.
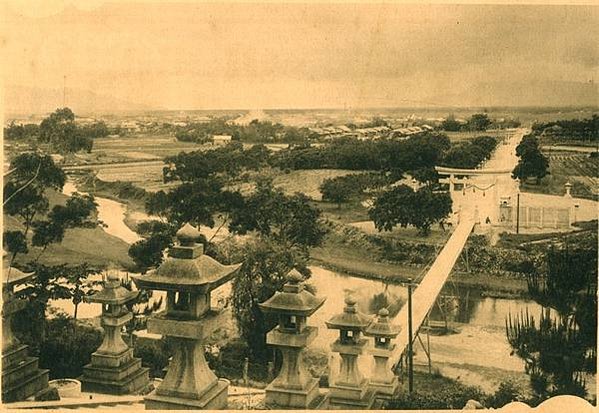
(21, 377)
(568, 187)
(350, 389)
(383, 381)
(294, 387)
(188, 276)
(113, 368)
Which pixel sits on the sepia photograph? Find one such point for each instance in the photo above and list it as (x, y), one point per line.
(299, 206)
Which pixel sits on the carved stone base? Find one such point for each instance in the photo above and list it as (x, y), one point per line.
(214, 399)
(21, 375)
(351, 397)
(114, 374)
(278, 397)
(384, 390)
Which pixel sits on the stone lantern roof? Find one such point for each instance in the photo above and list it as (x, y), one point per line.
(113, 292)
(294, 299)
(12, 276)
(381, 327)
(187, 268)
(350, 318)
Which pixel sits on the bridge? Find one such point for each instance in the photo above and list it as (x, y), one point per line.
(470, 206)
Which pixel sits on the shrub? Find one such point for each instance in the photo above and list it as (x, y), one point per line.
(230, 360)
(452, 395)
(154, 354)
(507, 392)
(68, 347)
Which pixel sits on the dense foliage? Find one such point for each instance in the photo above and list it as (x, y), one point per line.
(263, 272)
(435, 392)
(478, 122)
(471, 153)
(558, 350)
(25, 199)
(418, 152)
(403, 206)
(65, 348)
(573, 129)
(287, 219)
(353, 186)
(255, 132)
(532, 163)
(60, 131)
(68, 347)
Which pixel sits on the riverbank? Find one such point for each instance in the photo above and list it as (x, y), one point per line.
(349, 264)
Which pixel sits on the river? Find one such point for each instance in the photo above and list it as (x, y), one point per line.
(478, 343)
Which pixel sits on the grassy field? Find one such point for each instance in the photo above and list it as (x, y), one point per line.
(579, 169)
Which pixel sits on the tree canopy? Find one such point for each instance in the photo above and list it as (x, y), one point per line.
(289, 220)
(479, 122)
(61, 132)
(403, 206)
(532, 162)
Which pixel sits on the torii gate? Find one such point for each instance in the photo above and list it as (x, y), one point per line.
(463, 186)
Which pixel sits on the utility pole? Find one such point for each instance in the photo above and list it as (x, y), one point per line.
(64, 91)
(410, 339)
(518, 213)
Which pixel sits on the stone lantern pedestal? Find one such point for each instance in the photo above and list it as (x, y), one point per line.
(294, 387)
(21, 376)
(188, 276)
(113, 368)
(350, 389)
(383, 381)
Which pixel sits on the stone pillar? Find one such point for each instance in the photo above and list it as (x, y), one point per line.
(188, 276)
(113, 369)
(451, 183)
(383, 381)
(21, 376)
(294, 387)
(350, 389)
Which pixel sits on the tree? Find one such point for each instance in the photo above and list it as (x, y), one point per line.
(532, 162)
(148, 252)
(289, 220)
(450, 124)
(52, 283)
(402, 206)
(479, 122)
(25, 198)
(336, 190)
(61, 132)
(559, 350)
(263, 272)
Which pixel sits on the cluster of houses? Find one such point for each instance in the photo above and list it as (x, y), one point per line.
(375, 132)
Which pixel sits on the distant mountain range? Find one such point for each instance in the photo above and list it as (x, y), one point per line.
(21, 100)
(542, 93)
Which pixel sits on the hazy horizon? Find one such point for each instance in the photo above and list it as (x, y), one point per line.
(197, 56)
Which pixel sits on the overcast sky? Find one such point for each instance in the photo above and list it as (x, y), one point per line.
(194, 56)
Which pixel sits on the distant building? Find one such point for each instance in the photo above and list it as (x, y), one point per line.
(221, 139)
